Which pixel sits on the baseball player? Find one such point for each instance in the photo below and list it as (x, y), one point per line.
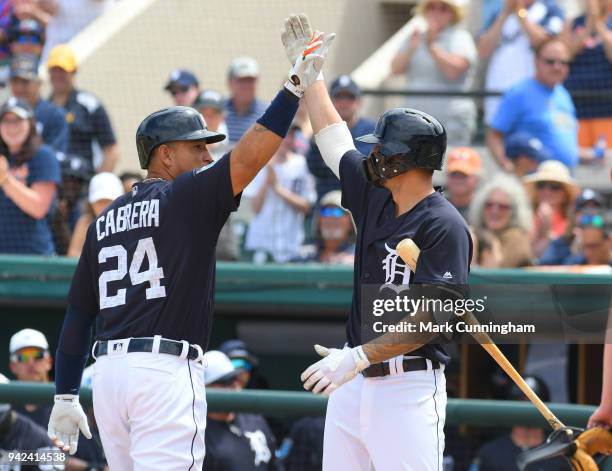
(146, 278)
(390, 412)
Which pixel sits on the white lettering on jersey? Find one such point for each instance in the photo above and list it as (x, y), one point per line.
(127, 217)
(394, 266)
(259, 445)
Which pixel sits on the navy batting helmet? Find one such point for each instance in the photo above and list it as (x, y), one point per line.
(177, 123)
(407, 139)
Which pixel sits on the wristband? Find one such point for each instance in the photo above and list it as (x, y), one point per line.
(279, 115)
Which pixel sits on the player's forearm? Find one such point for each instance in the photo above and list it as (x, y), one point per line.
(321, 110)
(111, 157)
(452, 66)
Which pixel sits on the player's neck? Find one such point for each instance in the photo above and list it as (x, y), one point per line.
(408, 190)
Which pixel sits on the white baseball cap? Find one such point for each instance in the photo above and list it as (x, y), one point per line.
(244, 67)
(218, 367)
(28, 338)
(105, 186)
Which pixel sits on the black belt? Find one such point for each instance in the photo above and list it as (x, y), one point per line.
(145, 344)
(409, 364)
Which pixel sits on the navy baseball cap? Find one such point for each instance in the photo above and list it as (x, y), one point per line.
(25, 31)
(587, 196)
(237, 350)
(16, 106)
(527, 145)
(210, 99)
(344, 84)
(181, 78)
(24, 66)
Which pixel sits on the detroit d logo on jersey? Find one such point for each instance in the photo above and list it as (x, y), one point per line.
(397, 273)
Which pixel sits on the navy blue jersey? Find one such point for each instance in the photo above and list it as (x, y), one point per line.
(433, 224)
(148, 264)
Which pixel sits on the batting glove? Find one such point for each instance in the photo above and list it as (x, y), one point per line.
(296, 33)
(308, 65)
(67, 418)
(336, 368)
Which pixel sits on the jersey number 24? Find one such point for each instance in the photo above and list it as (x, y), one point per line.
(153, 275)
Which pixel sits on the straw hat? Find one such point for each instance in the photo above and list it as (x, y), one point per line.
(458, 7)
(552, 171)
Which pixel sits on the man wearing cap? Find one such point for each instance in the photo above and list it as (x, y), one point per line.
(242, 108)
(245, 363)
(183, 86)
(234, 441)
(526, 152)
(212, 106)
(89, 125)
(25, 84)
(346, 97)
(463, 170)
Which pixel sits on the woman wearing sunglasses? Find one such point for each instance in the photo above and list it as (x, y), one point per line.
(552, 191)
(335, 231)
(501, 207)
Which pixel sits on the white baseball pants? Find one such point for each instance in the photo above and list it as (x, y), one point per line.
(390, 423)
(151, 410)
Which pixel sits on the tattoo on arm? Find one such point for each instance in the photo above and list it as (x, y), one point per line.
(259, 128)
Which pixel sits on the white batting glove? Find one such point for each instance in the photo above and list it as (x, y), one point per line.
(67, 418)
(296, 33)
(336, 368)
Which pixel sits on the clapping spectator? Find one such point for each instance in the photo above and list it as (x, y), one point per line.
(526, 152)
(346, 97)
(29, 175)
(242, 108)
(508, 41)
(463, 171)
(540, 106)
(552, 191)
(501, 206)
(281, 194)
(590, 43)
(443, 57)
(89, 125)
(335, 231)
(183, 86)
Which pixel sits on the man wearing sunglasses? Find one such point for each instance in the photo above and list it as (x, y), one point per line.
(541, 106)
(183, 86)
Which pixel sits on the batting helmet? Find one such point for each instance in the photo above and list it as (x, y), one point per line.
(407, 139)
(177, 123)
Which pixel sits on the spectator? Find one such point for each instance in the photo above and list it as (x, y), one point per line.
(128, 179)
(281, 195)
(594, 239)
(104, 188)
(589, 38)
(552, 193)
(526, 152)
(443, 57)
(50, 120)
(463, 171)
(26, 34)
(234, 442)
(29, 175)
(183, 86)
(508, 41)
(88, 121)
(30, 360)
(335, 231)
(242, 108)
(69, 18)
(5, 53)
(211, 104)
(541, 106)
(487, 249)
(501, 207)
(303, 448)
(346, 97)
(246, 364)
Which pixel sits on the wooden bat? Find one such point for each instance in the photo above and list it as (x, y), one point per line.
(409, 253)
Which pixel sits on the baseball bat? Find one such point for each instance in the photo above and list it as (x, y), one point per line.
(409, 253)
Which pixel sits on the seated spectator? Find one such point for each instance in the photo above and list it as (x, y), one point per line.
(594, 236)
(234, 441)
(443, 57)
(104, 188)
(540, 105)
(50, 119)
(184, 87)
(246, 364)
(211, 105)
(281, 195)
(29, 175)
(487, 252)
(552, 191)
(30, 360)
(463, 171)
(526, 152)
(242, 107)
(501, 206)
(589, 38)
(508, 40)
(500, 454)
(346, 97)
(335, 231)
(91, 134)
(128, 179)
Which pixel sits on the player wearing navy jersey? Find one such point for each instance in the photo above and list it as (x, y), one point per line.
(389, 413)
(146, 279)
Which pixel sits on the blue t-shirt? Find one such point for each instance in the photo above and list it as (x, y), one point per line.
(20, 233)
(545, 113)
(52, 125)
(433, 224)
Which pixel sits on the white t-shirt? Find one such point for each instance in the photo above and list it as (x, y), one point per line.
(279, 228)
